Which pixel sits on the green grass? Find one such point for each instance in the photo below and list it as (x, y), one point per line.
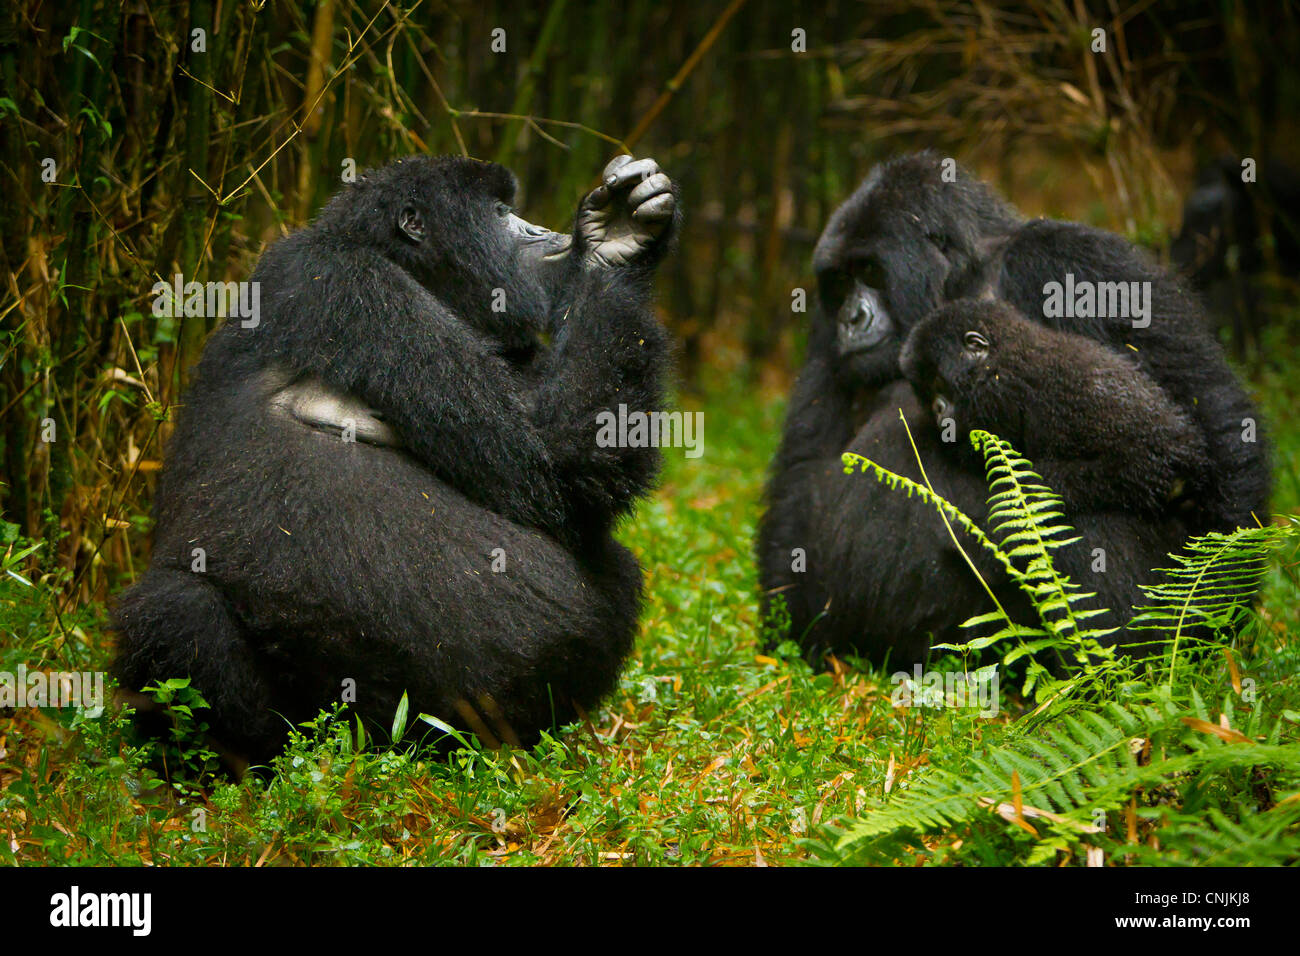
(710, 751)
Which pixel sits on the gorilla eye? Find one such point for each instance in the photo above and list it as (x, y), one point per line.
(975, 342)
(872, 273)
(833, 285)
(502, 209)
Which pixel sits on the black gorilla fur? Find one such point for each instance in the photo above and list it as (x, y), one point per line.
(1222, 245)
(1099, 431)
(411, 309)
(881, 574)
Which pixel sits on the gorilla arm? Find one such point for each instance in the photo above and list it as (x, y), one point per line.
(819, 426)
(609, 350)
(453, 401)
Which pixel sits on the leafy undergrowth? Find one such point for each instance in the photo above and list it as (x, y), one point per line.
(711, 751)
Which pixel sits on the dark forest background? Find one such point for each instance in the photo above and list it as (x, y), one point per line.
(127, 155)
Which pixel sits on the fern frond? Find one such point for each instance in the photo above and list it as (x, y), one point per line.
(1066, 768)
(933, 499)
(910, 487)
(1211, 838)
(1078, 753)
(1085, 762)
(1213, 584)
(1025, 517)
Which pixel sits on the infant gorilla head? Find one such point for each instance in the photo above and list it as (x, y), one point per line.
(1097, 428)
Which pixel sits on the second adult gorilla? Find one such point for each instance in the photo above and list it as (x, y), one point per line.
(862, 568)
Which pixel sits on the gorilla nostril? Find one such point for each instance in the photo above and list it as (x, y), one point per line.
(860, 317)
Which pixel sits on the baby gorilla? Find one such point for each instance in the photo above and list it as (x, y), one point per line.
(1101, 433)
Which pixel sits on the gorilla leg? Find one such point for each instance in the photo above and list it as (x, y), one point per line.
(175, 623)
(353, 570)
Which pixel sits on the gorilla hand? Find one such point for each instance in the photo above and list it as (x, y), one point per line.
(628, 215)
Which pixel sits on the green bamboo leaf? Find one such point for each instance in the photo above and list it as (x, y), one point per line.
(399, 719)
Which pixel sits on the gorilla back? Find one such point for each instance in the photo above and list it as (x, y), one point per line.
(390, 485)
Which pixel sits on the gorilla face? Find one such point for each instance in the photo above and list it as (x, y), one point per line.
(499, 272)
(876, 276)
(950, 359)
(1200, 250)
(906, 241)
(538, 248)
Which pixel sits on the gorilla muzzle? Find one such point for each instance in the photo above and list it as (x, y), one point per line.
(863, 322)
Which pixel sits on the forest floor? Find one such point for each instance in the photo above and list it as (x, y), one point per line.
(712, 750)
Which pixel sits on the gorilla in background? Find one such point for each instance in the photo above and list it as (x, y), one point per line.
(1227, 224)
(391, 484)
(864, 569)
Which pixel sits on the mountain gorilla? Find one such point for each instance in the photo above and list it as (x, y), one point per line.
(389, 483)
(862, 568)
(1227, 225)
(1097, 429)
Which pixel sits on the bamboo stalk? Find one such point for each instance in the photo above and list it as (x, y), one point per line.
(524, 98)
(198, 130)
(313, 103)
(682, 74)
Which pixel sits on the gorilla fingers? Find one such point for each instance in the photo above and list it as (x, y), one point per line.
(624, 217)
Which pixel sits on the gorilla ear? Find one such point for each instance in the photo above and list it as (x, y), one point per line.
(411, 223)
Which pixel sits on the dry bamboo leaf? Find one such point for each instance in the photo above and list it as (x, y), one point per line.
(1233, 673)
(1007, 811)
(1226, 734)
